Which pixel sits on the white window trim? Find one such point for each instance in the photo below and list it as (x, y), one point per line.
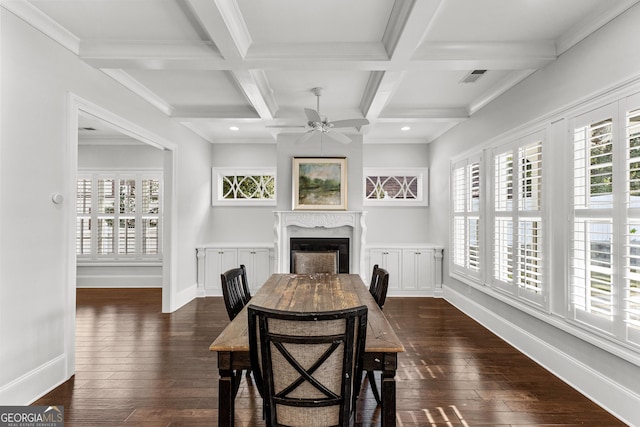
(133, 259)
(512, 288)
(217, 181)
(422, 198)
(559, 159)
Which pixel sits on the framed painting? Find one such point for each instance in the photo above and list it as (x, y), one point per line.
(319, 183)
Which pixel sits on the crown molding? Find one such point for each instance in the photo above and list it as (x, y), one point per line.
(43, 23)
(594, 22)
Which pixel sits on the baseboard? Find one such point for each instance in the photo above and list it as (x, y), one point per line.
(613, 397)
(34, 384)
(184, 297)
(119, 281)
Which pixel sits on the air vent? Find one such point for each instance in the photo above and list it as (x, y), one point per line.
(87, 128)
(473, 76)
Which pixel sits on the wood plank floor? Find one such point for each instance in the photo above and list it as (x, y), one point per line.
(139, 367)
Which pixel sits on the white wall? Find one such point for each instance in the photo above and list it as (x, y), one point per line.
(243, 224)
(115, 155)
(385, 224)
(601, 61)
(36, 285)
(396, 224)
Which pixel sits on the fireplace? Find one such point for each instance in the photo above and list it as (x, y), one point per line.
(339, 244)
(332, 225)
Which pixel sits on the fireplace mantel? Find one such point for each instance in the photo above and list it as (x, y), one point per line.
(320, 224)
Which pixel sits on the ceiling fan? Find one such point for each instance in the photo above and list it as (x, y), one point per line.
(316, 124)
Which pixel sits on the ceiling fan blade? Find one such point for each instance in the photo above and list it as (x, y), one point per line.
(312, 115)
(349, 123)
(337, 136)
(305, 136)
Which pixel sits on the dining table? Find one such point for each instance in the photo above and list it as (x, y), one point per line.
(310, 293)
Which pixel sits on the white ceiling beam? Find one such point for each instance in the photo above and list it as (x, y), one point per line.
(142, 91)
(203, 55)
(222, 20)
(176, 49)
(512, 55)
(503, 85)
(342, 51)
(408, 24)
(223, 26)
(380, 87)
(238, 113)
(407, 115)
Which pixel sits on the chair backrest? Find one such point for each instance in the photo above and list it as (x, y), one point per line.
(313, 262)
(307, 366)
(379, 285)
(235, 290)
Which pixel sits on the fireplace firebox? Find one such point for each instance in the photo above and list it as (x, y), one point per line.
(339, 244)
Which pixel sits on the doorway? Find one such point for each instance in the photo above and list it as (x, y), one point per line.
(83, 113)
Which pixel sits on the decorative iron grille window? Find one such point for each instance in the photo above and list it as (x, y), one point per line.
(118, 216)
(396, 187)
(244, 186)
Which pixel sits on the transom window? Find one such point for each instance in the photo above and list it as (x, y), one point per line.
(231, 186)
(395, 187)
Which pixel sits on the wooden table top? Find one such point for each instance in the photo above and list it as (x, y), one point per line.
(313, 293)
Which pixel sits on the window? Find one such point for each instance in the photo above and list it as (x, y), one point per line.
(231, 186)
(517, 219)
(605, 244)
(118, 216)
(588, 272)
(395, 187)
(466, 217)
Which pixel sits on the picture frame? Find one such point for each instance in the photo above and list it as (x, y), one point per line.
(319, 183)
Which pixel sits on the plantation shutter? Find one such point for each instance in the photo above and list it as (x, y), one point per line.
(83, 214)
(466, 216)
(631, 292)
(593, 245)
(518, 239)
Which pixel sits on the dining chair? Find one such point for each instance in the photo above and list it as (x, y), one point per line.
(235, 290)
(236, 294)
(314, 262)
(307, 366)
(378, 289)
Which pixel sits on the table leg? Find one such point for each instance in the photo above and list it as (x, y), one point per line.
(390, 365)
(226, 386)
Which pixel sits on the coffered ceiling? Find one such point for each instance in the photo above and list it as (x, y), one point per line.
(218, 65)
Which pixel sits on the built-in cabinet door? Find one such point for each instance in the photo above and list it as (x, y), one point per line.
(258, 265)
(389, 259)
(416, 269)
(218, 260)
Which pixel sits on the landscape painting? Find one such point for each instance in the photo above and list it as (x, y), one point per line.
(319, 183)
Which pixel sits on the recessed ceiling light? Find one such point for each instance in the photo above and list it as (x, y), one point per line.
(234, 128)
(405, 128)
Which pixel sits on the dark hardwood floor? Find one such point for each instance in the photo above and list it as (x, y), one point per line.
(139, 367)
